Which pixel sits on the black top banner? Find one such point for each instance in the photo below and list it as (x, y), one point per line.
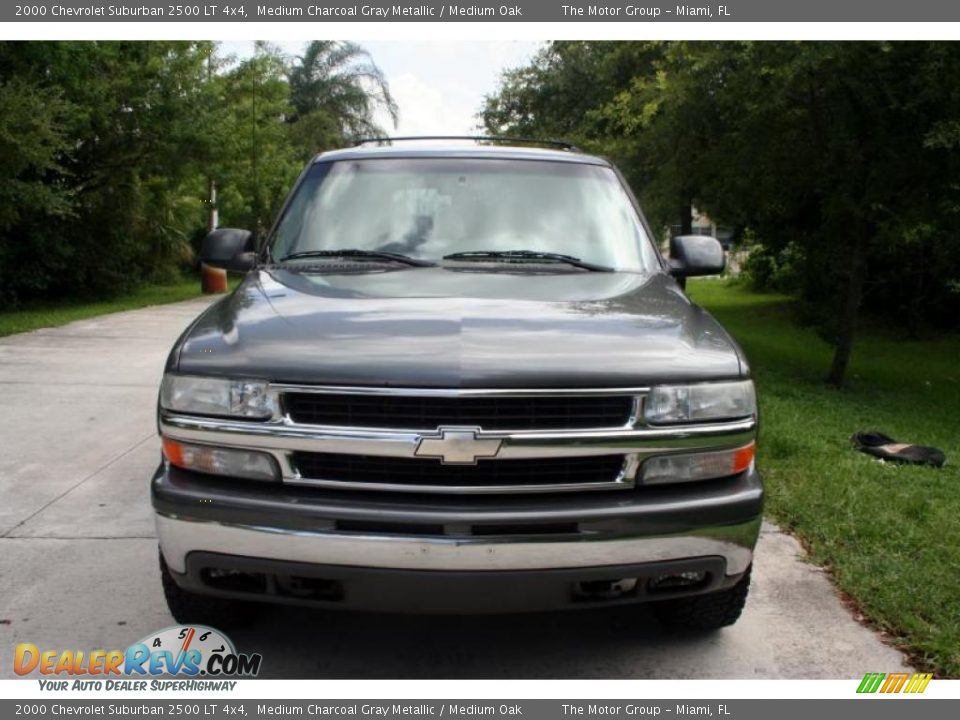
(516, 11)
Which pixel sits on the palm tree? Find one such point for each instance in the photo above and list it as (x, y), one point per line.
(340, 80)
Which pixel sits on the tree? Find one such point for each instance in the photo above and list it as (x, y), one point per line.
(336, 86)
(109, 150)
(256, 163)
(32, 145)
(133, 135)
(827, 146)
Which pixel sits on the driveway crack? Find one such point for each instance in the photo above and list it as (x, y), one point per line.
(73, 487)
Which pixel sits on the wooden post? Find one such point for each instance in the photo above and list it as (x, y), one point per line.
(212, 280)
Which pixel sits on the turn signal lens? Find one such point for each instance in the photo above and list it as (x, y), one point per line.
(743, 457)
(172, 451)
(697, 466)
(221, 461)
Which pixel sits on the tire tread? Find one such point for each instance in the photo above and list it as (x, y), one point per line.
(711, 611)
(194, 609)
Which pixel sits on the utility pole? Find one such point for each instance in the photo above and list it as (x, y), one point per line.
(212, 280)
(253, 138)
(212, 215)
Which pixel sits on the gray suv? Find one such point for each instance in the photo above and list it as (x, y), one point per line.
(457, 377)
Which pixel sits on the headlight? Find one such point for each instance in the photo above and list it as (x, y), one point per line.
(699, 402)
(216, 396)
(221, 461)
(697, 466)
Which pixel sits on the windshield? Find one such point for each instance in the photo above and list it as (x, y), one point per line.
(431, 207)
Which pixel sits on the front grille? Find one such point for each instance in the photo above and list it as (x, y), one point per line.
(600, 469)
(488, 412)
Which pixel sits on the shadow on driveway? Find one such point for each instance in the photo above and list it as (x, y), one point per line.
(302, 643)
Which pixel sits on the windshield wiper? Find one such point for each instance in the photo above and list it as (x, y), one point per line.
(527, 255)
(359, 254)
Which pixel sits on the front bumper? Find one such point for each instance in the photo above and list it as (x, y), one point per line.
(404, 553)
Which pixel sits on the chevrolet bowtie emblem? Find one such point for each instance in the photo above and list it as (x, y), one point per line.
(459, 446)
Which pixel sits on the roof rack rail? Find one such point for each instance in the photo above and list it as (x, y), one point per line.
(563, 144)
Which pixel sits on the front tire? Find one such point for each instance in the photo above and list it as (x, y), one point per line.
(190, 608)
(710, 611)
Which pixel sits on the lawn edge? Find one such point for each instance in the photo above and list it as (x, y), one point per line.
(105, 311)
(893, 637)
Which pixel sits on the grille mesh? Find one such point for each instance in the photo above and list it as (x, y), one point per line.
(496, 473)
(489, 413)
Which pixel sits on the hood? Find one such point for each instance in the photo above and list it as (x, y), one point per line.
(459, 328)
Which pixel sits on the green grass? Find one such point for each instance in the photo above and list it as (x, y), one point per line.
(889, 535)
(41, 315)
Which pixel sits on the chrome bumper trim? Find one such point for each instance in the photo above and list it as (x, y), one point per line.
(180, 535)
(623, 481)
(282, 438)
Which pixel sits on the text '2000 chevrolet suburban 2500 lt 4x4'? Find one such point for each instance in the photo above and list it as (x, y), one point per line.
(457, 377)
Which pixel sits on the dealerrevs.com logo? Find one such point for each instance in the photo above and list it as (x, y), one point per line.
(181, 651)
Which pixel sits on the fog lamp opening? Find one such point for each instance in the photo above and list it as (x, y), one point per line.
(687, 580)
(605, 589)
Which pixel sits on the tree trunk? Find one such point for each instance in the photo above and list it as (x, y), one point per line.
(850, 313)
(916, 304)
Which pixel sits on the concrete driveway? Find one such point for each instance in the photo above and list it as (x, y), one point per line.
(78, 558)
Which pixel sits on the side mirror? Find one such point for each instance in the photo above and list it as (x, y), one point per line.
(228, 248)
(694, 255)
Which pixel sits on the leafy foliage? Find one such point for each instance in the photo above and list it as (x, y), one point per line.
(31, 143)
(340, 82)
(110, 150)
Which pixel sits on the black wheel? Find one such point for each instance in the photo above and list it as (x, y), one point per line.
(190, 608)
(711, 611)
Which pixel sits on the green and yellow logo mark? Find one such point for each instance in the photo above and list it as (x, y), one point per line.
(894, 682)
